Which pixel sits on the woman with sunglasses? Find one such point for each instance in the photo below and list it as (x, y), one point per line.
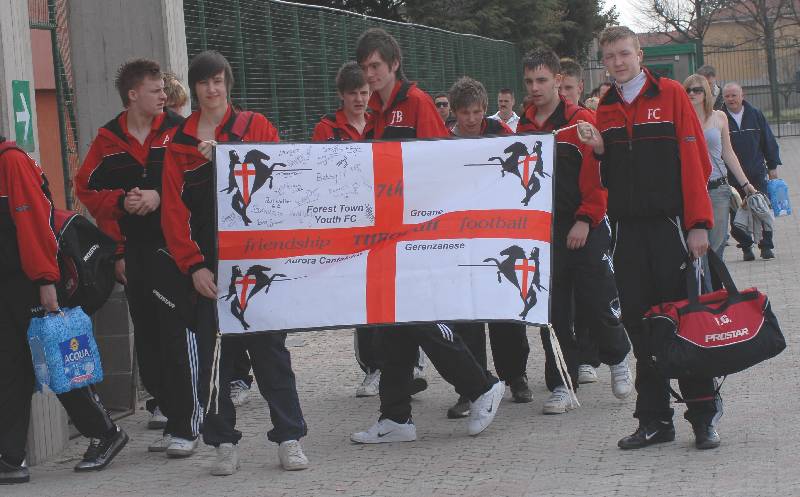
(723, 159)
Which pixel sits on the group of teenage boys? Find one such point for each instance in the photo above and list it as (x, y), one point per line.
(147, 179)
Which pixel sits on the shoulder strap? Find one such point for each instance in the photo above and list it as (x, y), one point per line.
(241, 124)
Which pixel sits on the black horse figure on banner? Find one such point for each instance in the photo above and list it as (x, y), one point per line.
(508, 268)
(261, 173)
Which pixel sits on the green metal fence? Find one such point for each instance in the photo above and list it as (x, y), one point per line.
(285, 56)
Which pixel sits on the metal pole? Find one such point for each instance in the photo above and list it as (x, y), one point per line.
(62, 125)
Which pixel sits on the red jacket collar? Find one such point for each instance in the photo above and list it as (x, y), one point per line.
(559, 118)
(399, 93)
(190, 128)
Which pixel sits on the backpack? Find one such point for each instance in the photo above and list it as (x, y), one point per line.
(86, 259)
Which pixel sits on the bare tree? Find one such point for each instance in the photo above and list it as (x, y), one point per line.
(764, 19)
(681, 21)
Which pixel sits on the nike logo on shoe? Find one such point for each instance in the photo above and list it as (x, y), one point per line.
(648, 436)
(381, 435)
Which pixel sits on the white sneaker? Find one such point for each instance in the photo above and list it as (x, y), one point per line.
(385, 431)
(484, 409)
(227, 461)
(157, 420)
(587, 374)
(369, 387)
(239, 392)
(291, 456)
(559, 402)
(621, 379)
(161, 444)
(181, 447)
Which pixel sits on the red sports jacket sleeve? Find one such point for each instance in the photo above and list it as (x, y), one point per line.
(32, 214)
(322, 132)
(175, 215)
(261, 130)
(695, 164)
(429, 123)
(594, 198)
(103, 205)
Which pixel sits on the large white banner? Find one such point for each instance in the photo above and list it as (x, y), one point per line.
(325, 235)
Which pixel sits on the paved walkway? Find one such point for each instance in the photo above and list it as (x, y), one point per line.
(522, 453)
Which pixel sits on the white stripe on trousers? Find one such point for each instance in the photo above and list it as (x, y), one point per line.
(197, 412)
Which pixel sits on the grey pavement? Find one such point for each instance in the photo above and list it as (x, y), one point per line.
(523, 453)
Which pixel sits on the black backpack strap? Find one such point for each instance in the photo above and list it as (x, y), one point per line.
(240, 125)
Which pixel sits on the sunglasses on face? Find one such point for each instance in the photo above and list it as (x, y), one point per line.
(696, 89)
(442, 104)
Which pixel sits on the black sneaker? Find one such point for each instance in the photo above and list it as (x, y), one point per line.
(520, 392)
(767, 254)
(652, 433)
(460, 410)
(705, 437)
(102, 451)
(748, 254)
(10, 474)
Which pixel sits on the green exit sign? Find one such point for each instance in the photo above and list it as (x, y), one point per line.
(23, 114)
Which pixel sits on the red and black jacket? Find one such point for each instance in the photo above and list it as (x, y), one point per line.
(334, 127)
(27, 232)
(491, 127)
(656, 160)
(579, 194)
(411, 114)
(117, 163)
(187, 200)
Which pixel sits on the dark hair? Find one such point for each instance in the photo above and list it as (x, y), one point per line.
(207, 65)
(350, 77)
(571, 68)
(507, 90)
(707, 71)
(440, 95)
(378, 40)
(542, 57)
(604, 83)
(132, 73)
(467, 92)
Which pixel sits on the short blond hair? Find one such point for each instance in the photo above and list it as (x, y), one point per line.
(616, 33)
(177, 96)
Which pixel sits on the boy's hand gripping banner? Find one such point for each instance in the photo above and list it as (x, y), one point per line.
(327, 235)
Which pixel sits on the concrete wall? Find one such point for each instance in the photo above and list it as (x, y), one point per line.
(106, 33)
(15, 64)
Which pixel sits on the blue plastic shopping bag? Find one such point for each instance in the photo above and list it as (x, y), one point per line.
(778, 192)
(64, 352)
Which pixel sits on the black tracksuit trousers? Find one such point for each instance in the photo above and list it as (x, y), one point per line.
(17, 295)
(651, 260)
(140, 260)
(272, 367)
(509, 342)
(583, 283)
(448, 354)
(184, 356)
(367, 346)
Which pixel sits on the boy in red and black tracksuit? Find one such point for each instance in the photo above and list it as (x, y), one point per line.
(28, 275)
(188, 219)
(509, 341)
(120, 183)
(655, 166)
(352, 122)
(401, 110)
(582, 272)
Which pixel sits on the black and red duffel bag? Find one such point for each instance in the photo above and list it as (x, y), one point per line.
(715, 334)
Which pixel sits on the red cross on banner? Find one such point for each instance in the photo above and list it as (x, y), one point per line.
(525, 266)
(243, 174)
(244, 283)
(526, 173)
(380, 239)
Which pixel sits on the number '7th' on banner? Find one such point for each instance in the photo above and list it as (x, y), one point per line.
(327, 235)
